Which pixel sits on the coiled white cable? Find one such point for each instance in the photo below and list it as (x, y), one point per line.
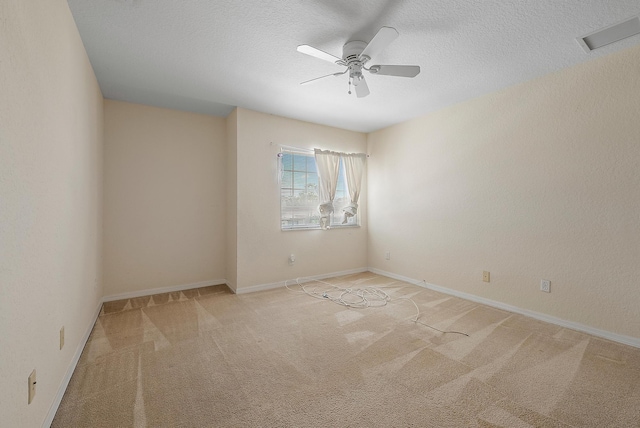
(359, 298)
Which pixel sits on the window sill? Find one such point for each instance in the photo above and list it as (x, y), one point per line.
(337, 226)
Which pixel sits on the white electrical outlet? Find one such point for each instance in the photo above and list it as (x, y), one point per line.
(292, 259)
(486, 276)
(62, 337)
(387, 255)
(545, 285)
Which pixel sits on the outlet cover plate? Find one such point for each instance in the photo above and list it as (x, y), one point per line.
(486, 276)
(545, 285)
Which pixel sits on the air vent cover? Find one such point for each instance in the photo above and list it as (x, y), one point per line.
(611, 34)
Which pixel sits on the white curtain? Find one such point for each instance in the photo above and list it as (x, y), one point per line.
(353, 167)
(328, 164)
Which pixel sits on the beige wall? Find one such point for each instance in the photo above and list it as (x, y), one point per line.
(541, 180)
(165, 197)
(262, 248)
(50, 202)
(232, 200)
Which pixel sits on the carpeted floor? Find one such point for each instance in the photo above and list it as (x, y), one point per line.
(209, 358)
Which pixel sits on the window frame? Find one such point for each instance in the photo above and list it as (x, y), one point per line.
(342, 189)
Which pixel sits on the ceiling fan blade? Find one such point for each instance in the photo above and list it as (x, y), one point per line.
(362, 89)
(396, 70)
(310, 50)
(381, 40)
(322, 77)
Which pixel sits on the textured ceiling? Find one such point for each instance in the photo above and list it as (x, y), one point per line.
(209, 56)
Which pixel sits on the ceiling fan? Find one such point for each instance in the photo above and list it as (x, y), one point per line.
(356, 54)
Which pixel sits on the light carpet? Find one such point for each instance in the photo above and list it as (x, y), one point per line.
(209, 358)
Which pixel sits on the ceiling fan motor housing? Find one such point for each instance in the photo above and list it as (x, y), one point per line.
(351, 51)
(351, 55)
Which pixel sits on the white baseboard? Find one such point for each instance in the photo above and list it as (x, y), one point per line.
(160, 290)
(272, 285)
(72, 367)
(74, 362)
(620, 338)
(232, 286)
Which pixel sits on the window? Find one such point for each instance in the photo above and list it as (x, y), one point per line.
(299, 198)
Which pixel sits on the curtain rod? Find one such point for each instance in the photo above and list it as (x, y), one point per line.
(299, 149)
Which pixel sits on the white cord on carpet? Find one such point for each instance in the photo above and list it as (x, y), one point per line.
(359, 298)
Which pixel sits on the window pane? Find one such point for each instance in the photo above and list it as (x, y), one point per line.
(295, 200)
(300, 162)
(300, 180)
(311, 163)
(312, 186)
(287, 179)
(287, 158)
(312, 180)
(306, 199)
(286, 193)
(342, 179)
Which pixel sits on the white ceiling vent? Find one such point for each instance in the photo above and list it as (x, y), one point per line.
(610, 34)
